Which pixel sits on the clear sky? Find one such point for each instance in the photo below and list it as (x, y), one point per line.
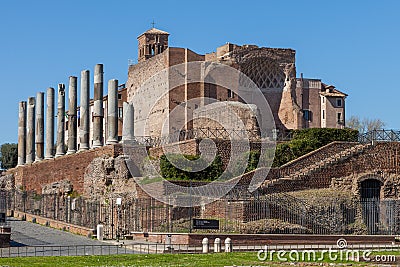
(353, 45)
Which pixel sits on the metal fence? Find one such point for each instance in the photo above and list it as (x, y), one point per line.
(3, 207)
(79, 250)
(380, 136)
(95, 250)
(213, 133)
(163, 248)
(278, 213)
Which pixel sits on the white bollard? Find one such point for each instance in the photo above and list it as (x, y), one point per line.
(168, 241)
(100, 232)
(217, 245)
(228, 245)
(205, 245)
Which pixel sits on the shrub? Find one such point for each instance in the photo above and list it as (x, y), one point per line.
(170, 172)
(307, 140)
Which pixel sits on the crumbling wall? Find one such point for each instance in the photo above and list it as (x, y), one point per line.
(7, 182)
(68, 167)
(107, 178)
(228, 115)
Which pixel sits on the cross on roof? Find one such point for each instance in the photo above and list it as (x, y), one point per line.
(153, 23)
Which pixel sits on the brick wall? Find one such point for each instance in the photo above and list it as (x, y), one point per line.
(381, 161)
(69, 167)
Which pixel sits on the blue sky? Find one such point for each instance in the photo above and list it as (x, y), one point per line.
(351, 44)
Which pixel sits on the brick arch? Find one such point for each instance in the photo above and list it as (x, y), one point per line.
(371, 176)
(374, 176)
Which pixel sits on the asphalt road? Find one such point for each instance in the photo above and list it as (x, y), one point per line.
(30, 239)
(31, 234)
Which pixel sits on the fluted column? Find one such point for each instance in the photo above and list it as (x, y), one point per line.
(30, 131)
(39, 140)
(128, 124)
(50, 124)
(72, 116)
(22, 133)
(84, 129)
(98, 112)
(112, 116)
(60, 149)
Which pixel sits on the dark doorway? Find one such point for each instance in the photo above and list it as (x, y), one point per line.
(370, 195)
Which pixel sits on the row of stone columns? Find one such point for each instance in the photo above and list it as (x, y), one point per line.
(31, 119)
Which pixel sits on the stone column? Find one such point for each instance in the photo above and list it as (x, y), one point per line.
(112, 116)
(98, 112)
(50, 124)
(39, 140)
(72, 116)
(60, 149)
(84, 129)
(22, 133)
(128, 126)
(30, 131)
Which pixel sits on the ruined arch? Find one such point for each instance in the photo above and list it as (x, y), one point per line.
(370, 186)
(370, 190)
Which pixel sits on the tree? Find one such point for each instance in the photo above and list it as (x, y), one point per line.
(364, 125)
(9, 155)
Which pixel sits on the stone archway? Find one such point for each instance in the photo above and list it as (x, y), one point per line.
(370, 192)
(370, 189)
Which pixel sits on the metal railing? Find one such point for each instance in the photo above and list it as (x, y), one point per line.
(380, 136)
(163, 248)
(212, 133)
(96, 250)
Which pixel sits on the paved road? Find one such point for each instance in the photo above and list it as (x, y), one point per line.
(30, 239)
(31, 234)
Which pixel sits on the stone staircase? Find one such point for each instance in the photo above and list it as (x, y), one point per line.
(316, 160)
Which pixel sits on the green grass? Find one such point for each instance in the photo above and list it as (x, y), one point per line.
(212, 259)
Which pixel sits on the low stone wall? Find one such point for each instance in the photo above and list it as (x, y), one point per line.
(76, 229)
(262, 239)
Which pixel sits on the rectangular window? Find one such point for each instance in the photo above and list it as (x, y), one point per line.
(307, 115)
(339, 117)
(323, 114)
(323, 99)
(119, 96)
(230, 93)
(120, 112)
(338, 102)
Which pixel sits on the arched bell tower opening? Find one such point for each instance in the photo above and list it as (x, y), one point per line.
(370, 191)
(151, 43)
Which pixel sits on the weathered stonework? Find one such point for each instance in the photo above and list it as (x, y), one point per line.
(108, 178)
(228, 115)
(7, 182)
(60, 187)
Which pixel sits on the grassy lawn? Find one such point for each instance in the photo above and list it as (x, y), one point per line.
(221, 259)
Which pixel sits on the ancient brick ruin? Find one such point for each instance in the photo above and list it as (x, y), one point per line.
(77, 186)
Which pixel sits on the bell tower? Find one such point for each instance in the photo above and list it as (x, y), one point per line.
(151, 43)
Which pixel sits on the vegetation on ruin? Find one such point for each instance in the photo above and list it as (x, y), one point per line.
(170, 171)
(304, 141)
(335, 210)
